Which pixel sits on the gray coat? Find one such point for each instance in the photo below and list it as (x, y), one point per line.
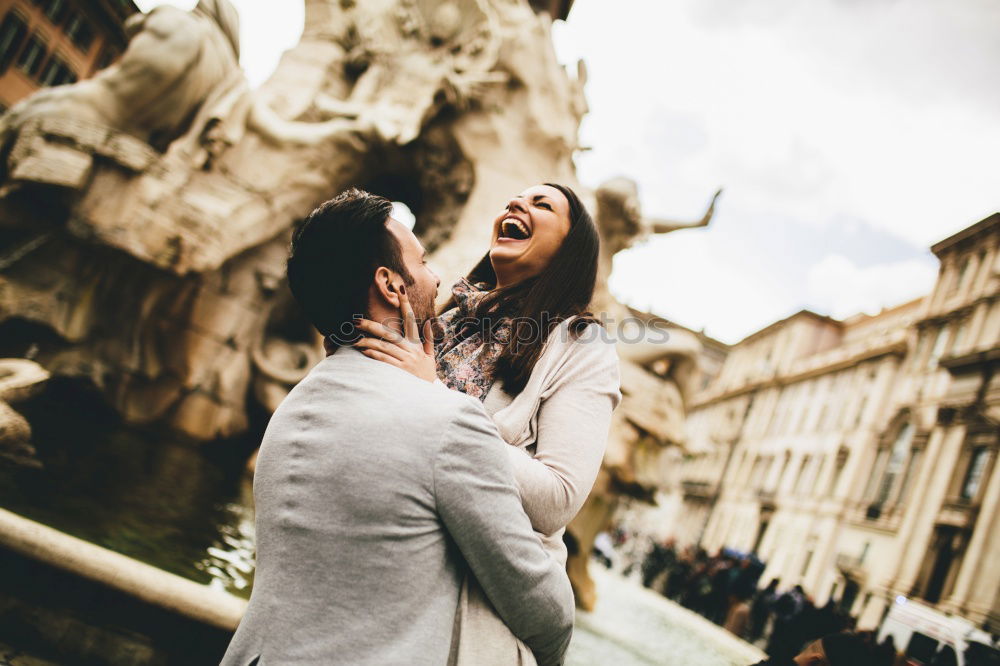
(374, 491)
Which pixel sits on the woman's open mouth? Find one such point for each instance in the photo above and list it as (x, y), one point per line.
(514, 229)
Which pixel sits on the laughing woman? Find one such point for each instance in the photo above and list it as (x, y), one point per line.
(518, 336)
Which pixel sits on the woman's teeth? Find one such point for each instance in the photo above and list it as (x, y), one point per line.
(515, 229)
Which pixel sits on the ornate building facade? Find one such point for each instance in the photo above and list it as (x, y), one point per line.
(857, 457)
(52, 42)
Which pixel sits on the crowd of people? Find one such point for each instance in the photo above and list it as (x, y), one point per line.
(724, 589)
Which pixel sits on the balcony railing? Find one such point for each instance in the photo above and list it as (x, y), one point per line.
(875, 515)
(850, 563)
(699, 489)
(765, 494)
(957, 504)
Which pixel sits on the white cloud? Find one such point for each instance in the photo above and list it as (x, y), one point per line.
(879, 113)
(701, 281)
(838, 287)
(267, 29)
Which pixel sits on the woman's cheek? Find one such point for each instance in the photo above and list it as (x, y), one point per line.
(547, 247)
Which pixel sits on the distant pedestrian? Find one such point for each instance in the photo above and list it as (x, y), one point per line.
(786, 638)
(720, 579)
(660, 559)
(844, 649)
(760, 610)
(945, 657)
(888, 650)
(604, 550)
(738, 617)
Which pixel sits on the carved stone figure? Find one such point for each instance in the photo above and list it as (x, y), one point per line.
(444, 51)
(623, 223)
(151, 244)
(657, 369)
(20, 379)
(147, 211)
(177, 63)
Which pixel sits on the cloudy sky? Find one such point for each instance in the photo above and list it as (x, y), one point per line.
(849, 135)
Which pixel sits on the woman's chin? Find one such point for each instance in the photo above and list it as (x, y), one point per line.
(507, 250)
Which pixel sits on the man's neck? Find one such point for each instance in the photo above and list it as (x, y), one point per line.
(387, 317)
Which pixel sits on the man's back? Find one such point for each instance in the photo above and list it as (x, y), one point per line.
(367, 479)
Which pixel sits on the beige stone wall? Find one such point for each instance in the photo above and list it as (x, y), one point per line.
(156, 243)
(862, 453)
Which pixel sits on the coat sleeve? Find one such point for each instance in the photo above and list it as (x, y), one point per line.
(479, 505)
(572, 434)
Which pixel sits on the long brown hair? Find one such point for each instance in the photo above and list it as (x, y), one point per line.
(538, 304)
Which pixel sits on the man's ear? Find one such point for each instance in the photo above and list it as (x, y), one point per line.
(385, 285)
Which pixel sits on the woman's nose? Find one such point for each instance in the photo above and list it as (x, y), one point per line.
(516, 204)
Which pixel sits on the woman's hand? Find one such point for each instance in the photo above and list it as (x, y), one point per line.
(403, 351)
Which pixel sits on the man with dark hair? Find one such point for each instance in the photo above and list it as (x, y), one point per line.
(377, 491)
(843, 649)
(348, 253)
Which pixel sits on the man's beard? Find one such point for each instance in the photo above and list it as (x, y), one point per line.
(423, 310)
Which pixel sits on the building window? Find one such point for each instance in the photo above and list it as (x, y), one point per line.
(974, 474)
(781, 472)
(802, 483)
(754, 479)
(32, 57)
(57, 73)
(822, 416)
(861, 410)
(923, 339)
(963, 273)
(12, 33)
(893, 469)
(983, 271)
(806, 561)
(761, 467)
(957, 339)
(838, 469)
(938, 349)
(55, 10)
(889, 467)
(78, 29)
(911, 470)
(110, 54)
(880, 458)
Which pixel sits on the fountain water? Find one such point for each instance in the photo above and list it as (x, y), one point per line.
(142, 254)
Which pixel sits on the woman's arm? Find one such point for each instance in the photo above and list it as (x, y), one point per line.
(572, 434)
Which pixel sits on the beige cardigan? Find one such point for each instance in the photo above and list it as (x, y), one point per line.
(557, 428)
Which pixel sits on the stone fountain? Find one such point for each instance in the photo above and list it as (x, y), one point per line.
(145, 213)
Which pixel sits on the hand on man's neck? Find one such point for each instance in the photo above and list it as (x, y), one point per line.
(387, 316)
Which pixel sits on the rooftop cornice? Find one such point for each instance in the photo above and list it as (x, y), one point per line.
(984, 226)
(896, 347)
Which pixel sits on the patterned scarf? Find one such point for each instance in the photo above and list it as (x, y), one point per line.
(466, 356)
